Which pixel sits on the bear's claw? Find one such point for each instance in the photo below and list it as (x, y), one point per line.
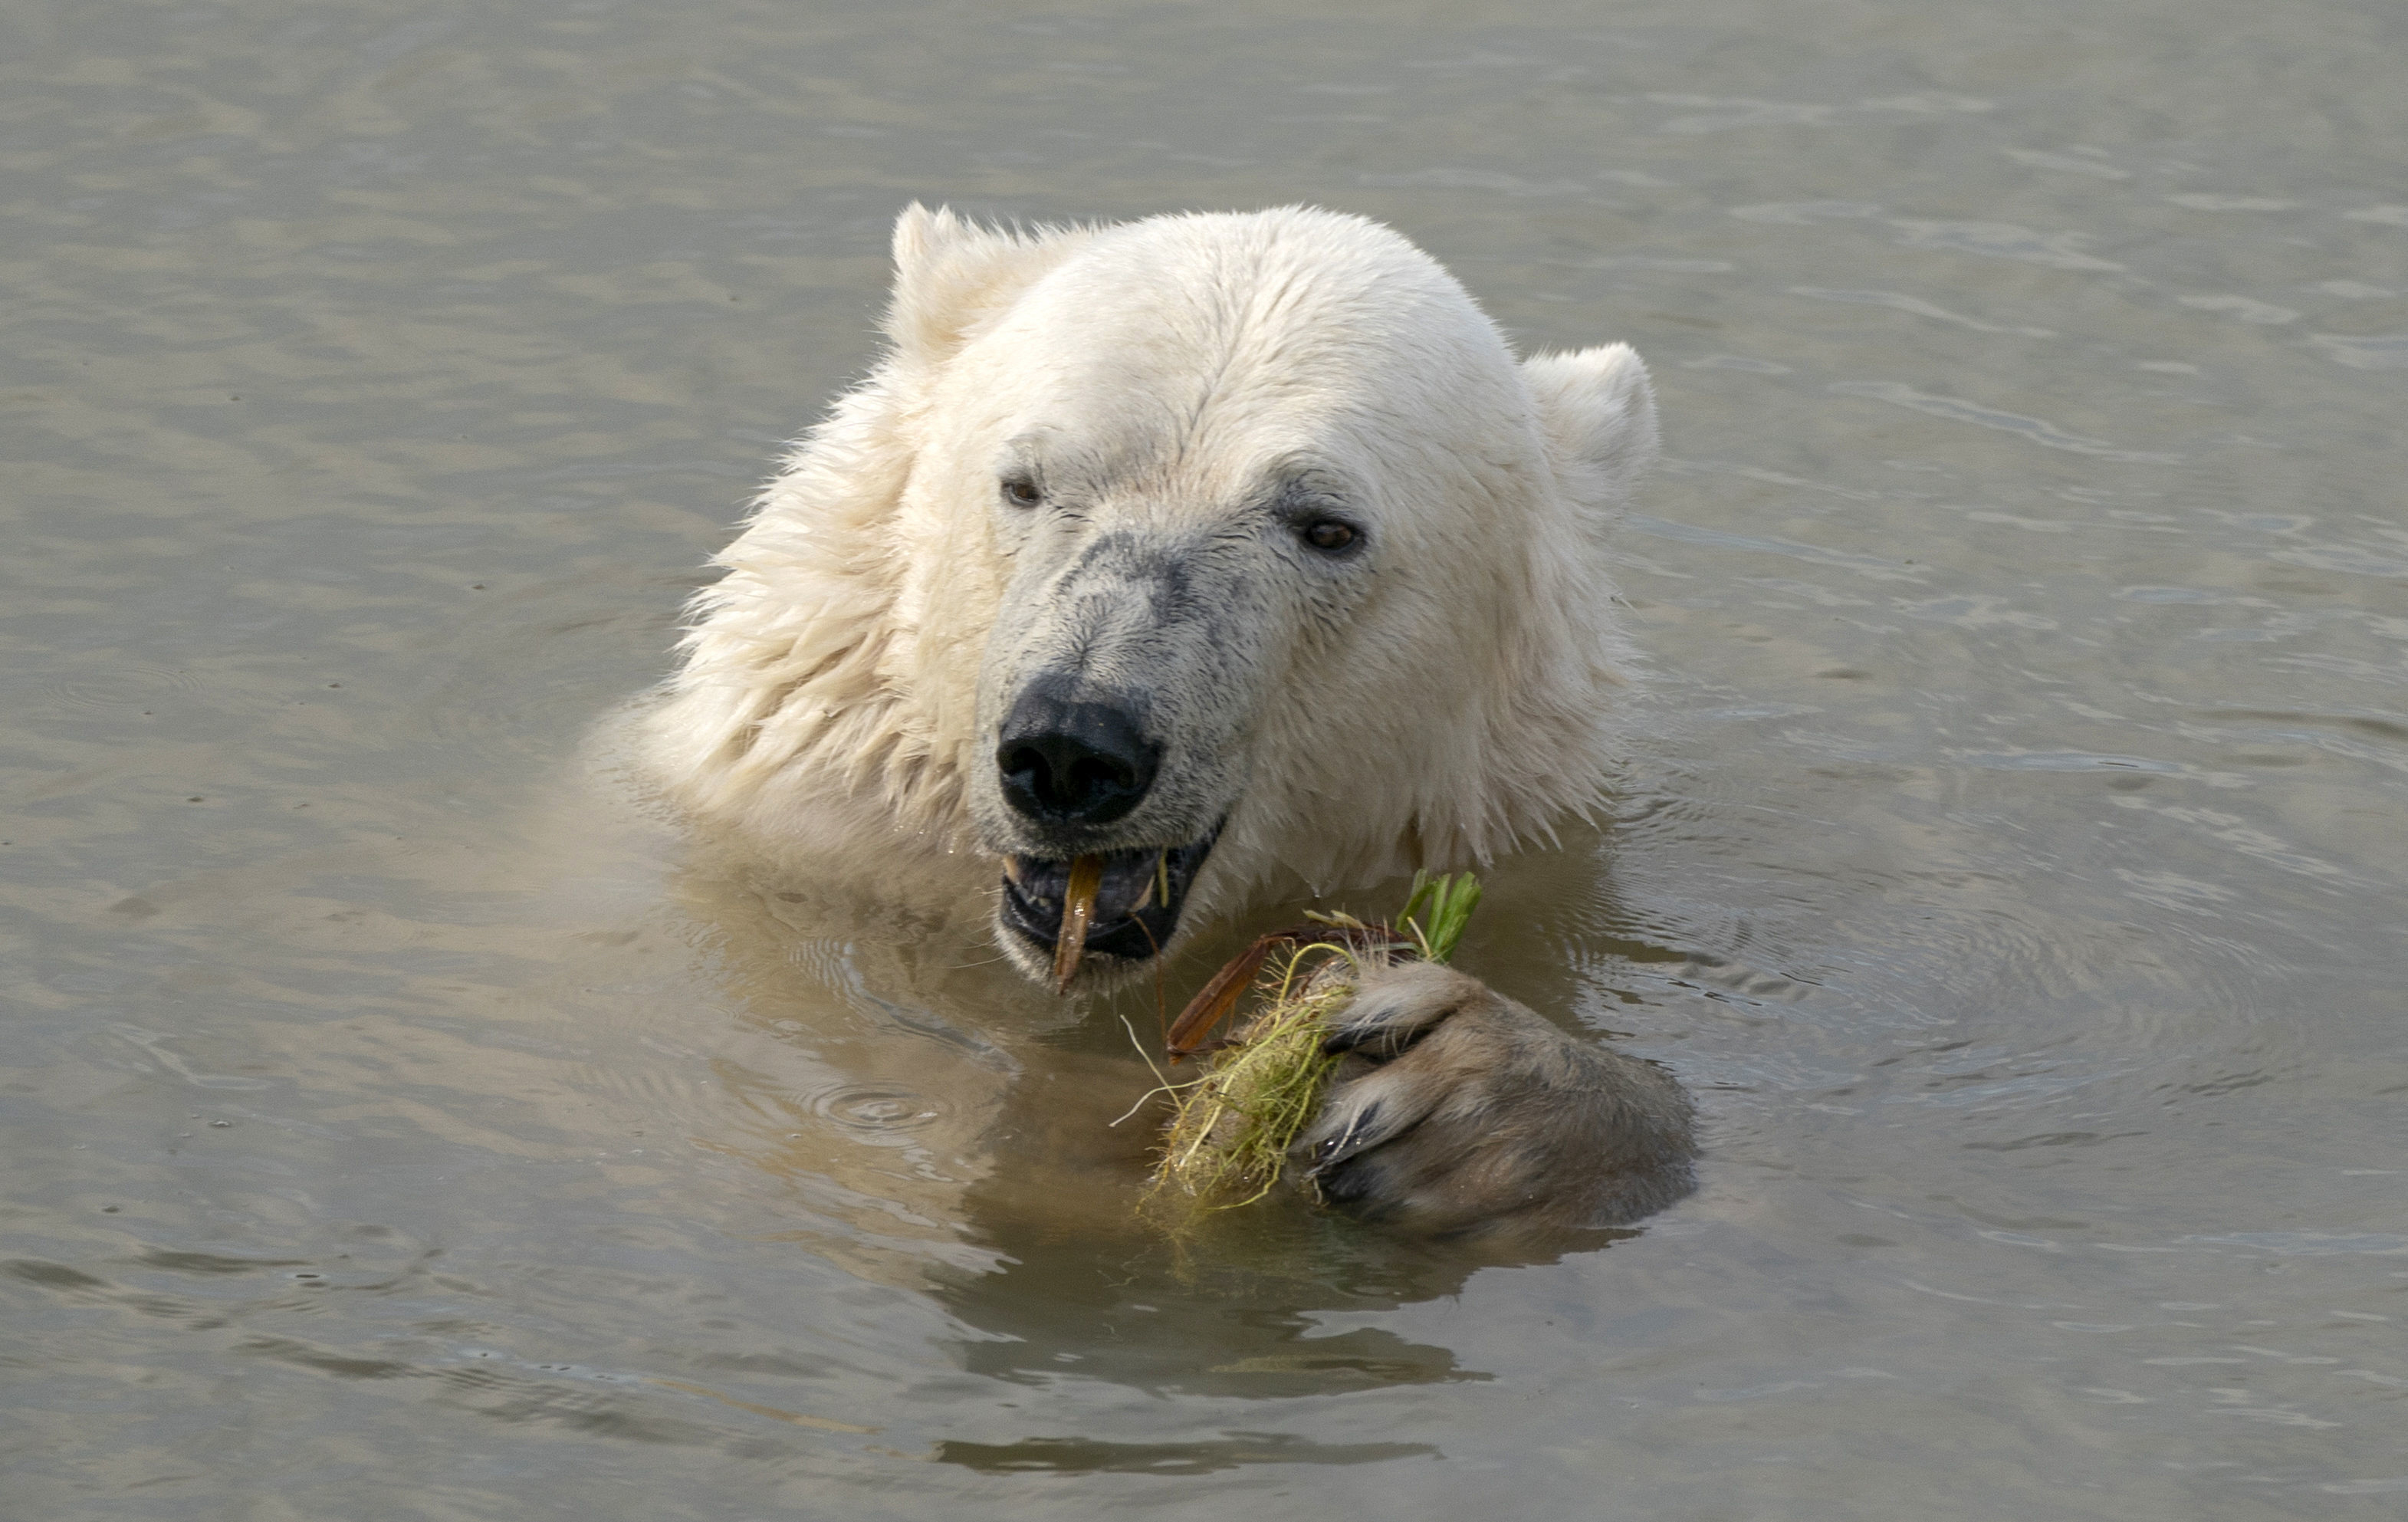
(1461, 1111)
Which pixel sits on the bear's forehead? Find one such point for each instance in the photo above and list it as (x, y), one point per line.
(1257, 315)
(1212, 358)
(1213, 464)
(1238, 370)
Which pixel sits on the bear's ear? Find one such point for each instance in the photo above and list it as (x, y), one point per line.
(1598, 414)
(951, 275)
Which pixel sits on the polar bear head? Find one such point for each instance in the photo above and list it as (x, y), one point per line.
(1224, 548)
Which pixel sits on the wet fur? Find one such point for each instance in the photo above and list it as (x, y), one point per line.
(1178, 384)
(1187, 390)
(1458, 1108)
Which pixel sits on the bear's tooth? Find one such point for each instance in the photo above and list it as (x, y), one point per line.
(1157, 885)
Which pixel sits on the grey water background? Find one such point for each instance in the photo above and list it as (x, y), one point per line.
(2011, 848)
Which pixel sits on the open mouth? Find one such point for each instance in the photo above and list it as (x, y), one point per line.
(1137, 901)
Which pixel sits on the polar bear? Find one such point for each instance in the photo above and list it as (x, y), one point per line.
(1240, 550)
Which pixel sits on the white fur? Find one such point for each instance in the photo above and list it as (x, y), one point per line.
(1440, 702)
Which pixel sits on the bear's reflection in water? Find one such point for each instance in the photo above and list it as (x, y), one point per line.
(1230, 1308)
(933, 1119)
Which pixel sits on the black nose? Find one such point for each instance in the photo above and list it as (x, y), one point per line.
(1066, 763)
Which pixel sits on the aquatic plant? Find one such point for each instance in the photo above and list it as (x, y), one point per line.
(1228, 1139)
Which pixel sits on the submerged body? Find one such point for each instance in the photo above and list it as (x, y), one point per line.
(1218, 554)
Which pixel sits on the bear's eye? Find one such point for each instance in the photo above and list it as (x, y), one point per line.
(1328, 535)
(1021, 492)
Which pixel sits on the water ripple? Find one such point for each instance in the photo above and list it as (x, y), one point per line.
(2370, 352)
(1957, 411)
(1919, 308)
(885, 1113)
(2003, 240)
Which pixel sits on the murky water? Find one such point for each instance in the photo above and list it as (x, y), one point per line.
(2011, 852)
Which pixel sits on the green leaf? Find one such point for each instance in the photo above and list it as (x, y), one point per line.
(1437, 911)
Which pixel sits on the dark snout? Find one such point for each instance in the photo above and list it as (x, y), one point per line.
(1066, 762)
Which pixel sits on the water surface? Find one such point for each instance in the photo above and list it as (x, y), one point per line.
(2010, 848)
